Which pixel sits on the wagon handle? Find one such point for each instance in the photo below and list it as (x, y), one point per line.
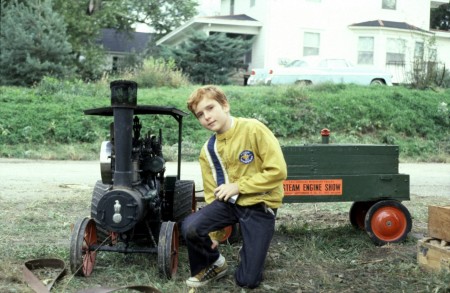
(325, 135)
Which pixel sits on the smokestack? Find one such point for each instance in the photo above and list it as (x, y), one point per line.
(123, 102)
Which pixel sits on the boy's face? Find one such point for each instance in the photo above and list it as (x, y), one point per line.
(212, 115)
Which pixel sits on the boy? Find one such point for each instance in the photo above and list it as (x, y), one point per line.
(243, 169)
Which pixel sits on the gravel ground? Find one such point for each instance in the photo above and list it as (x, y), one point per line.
(32, 178)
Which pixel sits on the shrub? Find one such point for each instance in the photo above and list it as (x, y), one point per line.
(52, 86)
(158, 73)
(212, 59)
(417, 120)
(426, 74)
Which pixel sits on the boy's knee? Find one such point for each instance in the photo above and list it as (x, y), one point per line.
(188, 231)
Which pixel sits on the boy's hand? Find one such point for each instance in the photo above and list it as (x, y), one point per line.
(215, 244)
(225, 191)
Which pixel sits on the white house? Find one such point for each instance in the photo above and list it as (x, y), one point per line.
(386, 34)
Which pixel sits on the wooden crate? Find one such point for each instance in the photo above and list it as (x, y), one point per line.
(433, 254)
(439, 222)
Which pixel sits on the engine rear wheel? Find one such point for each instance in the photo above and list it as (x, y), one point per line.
(184, 202)
(99, 190)
(82, 257)
(168, 245)
(388, 221)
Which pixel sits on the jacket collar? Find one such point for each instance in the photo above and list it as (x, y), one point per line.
(230, 132)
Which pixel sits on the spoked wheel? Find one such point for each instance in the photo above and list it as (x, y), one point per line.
(388, 221)
(168, 249)
(82, 257)
(358, 212)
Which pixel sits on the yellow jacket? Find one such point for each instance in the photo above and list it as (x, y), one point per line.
(250, 155)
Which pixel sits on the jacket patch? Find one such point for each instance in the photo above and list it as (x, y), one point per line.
(246, 157)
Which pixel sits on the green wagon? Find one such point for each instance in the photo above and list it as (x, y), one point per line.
(366, 175)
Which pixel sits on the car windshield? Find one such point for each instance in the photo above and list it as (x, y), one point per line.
(297, 63)
(334, 63)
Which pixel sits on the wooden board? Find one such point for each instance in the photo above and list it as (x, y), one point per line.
(332, 159)
(439, 222)
(433, 254)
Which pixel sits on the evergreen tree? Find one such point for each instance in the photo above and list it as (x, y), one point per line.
(33, 43)
(209, 59)
(85, 19)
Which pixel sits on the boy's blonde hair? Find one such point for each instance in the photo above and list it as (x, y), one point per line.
(207, 92)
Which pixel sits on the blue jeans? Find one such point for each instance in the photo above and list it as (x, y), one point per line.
(256, 225)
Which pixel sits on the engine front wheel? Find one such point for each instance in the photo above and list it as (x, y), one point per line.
(168, 245)
(82, 256)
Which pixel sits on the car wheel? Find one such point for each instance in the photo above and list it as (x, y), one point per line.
(303, 82)
(377, 82)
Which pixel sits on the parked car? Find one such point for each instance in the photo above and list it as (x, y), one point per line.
(259, 76)
(313, 70)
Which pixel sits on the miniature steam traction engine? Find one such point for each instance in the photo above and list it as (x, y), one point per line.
(135, 208)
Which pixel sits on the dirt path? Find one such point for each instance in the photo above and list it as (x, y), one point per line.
(32, 179)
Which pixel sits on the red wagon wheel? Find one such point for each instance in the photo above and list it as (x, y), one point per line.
(358, 212)
(82, 257)
(231, 234)
(388, 221)
(228, 230)
(168, 244)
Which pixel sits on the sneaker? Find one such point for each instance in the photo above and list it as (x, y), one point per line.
(207, 275)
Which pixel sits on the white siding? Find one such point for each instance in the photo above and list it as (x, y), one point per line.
(286, 21)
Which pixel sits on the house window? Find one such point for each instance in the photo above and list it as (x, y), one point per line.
(418, 51)
(311, 44)
(365, 50)
(395, 52)
(432, 54)
(252, 3)
(389, 4)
